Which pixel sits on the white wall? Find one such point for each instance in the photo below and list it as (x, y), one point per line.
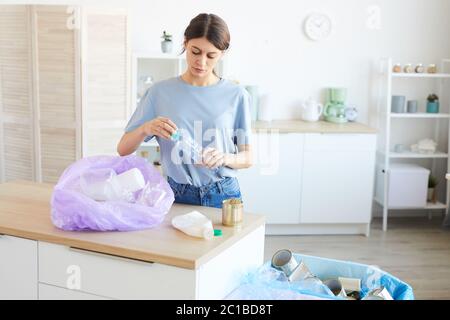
(269, 49)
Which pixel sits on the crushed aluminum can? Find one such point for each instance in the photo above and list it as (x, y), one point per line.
(378, 294)
(336, 287)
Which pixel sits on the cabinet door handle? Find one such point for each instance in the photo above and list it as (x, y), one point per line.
(107, 255)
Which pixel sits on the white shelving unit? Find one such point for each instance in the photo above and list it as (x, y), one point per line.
(422, 75)
(385, 121)
(420, 115)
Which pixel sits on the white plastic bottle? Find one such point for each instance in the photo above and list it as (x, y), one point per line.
(131, 180)
(194, 224)
(188, 144)
(105, 185)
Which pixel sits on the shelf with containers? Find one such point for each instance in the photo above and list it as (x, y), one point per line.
(401, 129)
(148, 68)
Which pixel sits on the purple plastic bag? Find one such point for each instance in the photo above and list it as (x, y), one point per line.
(73, 210)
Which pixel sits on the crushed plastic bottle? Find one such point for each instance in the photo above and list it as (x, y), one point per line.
(100, 184)
(104, 184)
(151, 195)
(187, 144)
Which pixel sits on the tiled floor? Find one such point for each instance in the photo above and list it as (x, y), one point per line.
(416, 250)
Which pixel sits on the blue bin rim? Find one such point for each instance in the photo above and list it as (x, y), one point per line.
(399, 289)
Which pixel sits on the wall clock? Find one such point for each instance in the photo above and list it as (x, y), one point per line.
(318, 26)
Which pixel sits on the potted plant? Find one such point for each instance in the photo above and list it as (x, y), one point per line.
(166, 44)
(433, 103)
(432, 183)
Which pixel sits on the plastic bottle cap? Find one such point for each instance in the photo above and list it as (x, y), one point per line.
(217, 232)
(175, 136)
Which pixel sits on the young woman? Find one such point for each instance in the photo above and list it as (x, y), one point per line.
(201, 106)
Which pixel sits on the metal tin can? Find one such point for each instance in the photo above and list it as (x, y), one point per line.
(232, 212)
(284, 260)
(300, 272)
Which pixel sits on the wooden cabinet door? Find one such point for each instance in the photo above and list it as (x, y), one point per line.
(18, 268)
(42, 92)
(56, 76)
(272, 186)
(16, 112)
(105, 83)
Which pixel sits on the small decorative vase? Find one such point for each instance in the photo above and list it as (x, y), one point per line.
(432, 107)
(166, 46)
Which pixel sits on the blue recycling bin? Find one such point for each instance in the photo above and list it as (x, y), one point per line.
(267, 283)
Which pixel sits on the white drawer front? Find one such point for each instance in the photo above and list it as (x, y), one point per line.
(48, 292)
(339, 142)
(18, 268)
(111, 276)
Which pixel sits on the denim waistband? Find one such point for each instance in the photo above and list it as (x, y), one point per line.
(202, 189)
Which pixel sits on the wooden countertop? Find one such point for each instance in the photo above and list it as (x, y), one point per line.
(25, 212)
(299, 126)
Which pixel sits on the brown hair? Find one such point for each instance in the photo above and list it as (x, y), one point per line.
(210, 26)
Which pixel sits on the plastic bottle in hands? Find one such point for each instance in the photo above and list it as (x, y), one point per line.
(188, 144)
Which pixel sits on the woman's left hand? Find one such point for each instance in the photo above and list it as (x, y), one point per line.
(213, 158)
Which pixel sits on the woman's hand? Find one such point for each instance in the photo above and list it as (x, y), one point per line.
(213, 158)
(161, 127)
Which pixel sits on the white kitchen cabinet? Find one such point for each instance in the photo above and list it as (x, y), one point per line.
(323, 182)
(338, 178)
(64, 87)
(18, 268)
(111, 276)
(77, 272)
(272, 185)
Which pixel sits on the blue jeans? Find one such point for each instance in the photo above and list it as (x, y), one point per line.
(210, 195)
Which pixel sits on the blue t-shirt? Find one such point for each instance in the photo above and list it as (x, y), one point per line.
(216, 116)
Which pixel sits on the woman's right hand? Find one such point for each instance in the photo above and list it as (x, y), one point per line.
(161, 127)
